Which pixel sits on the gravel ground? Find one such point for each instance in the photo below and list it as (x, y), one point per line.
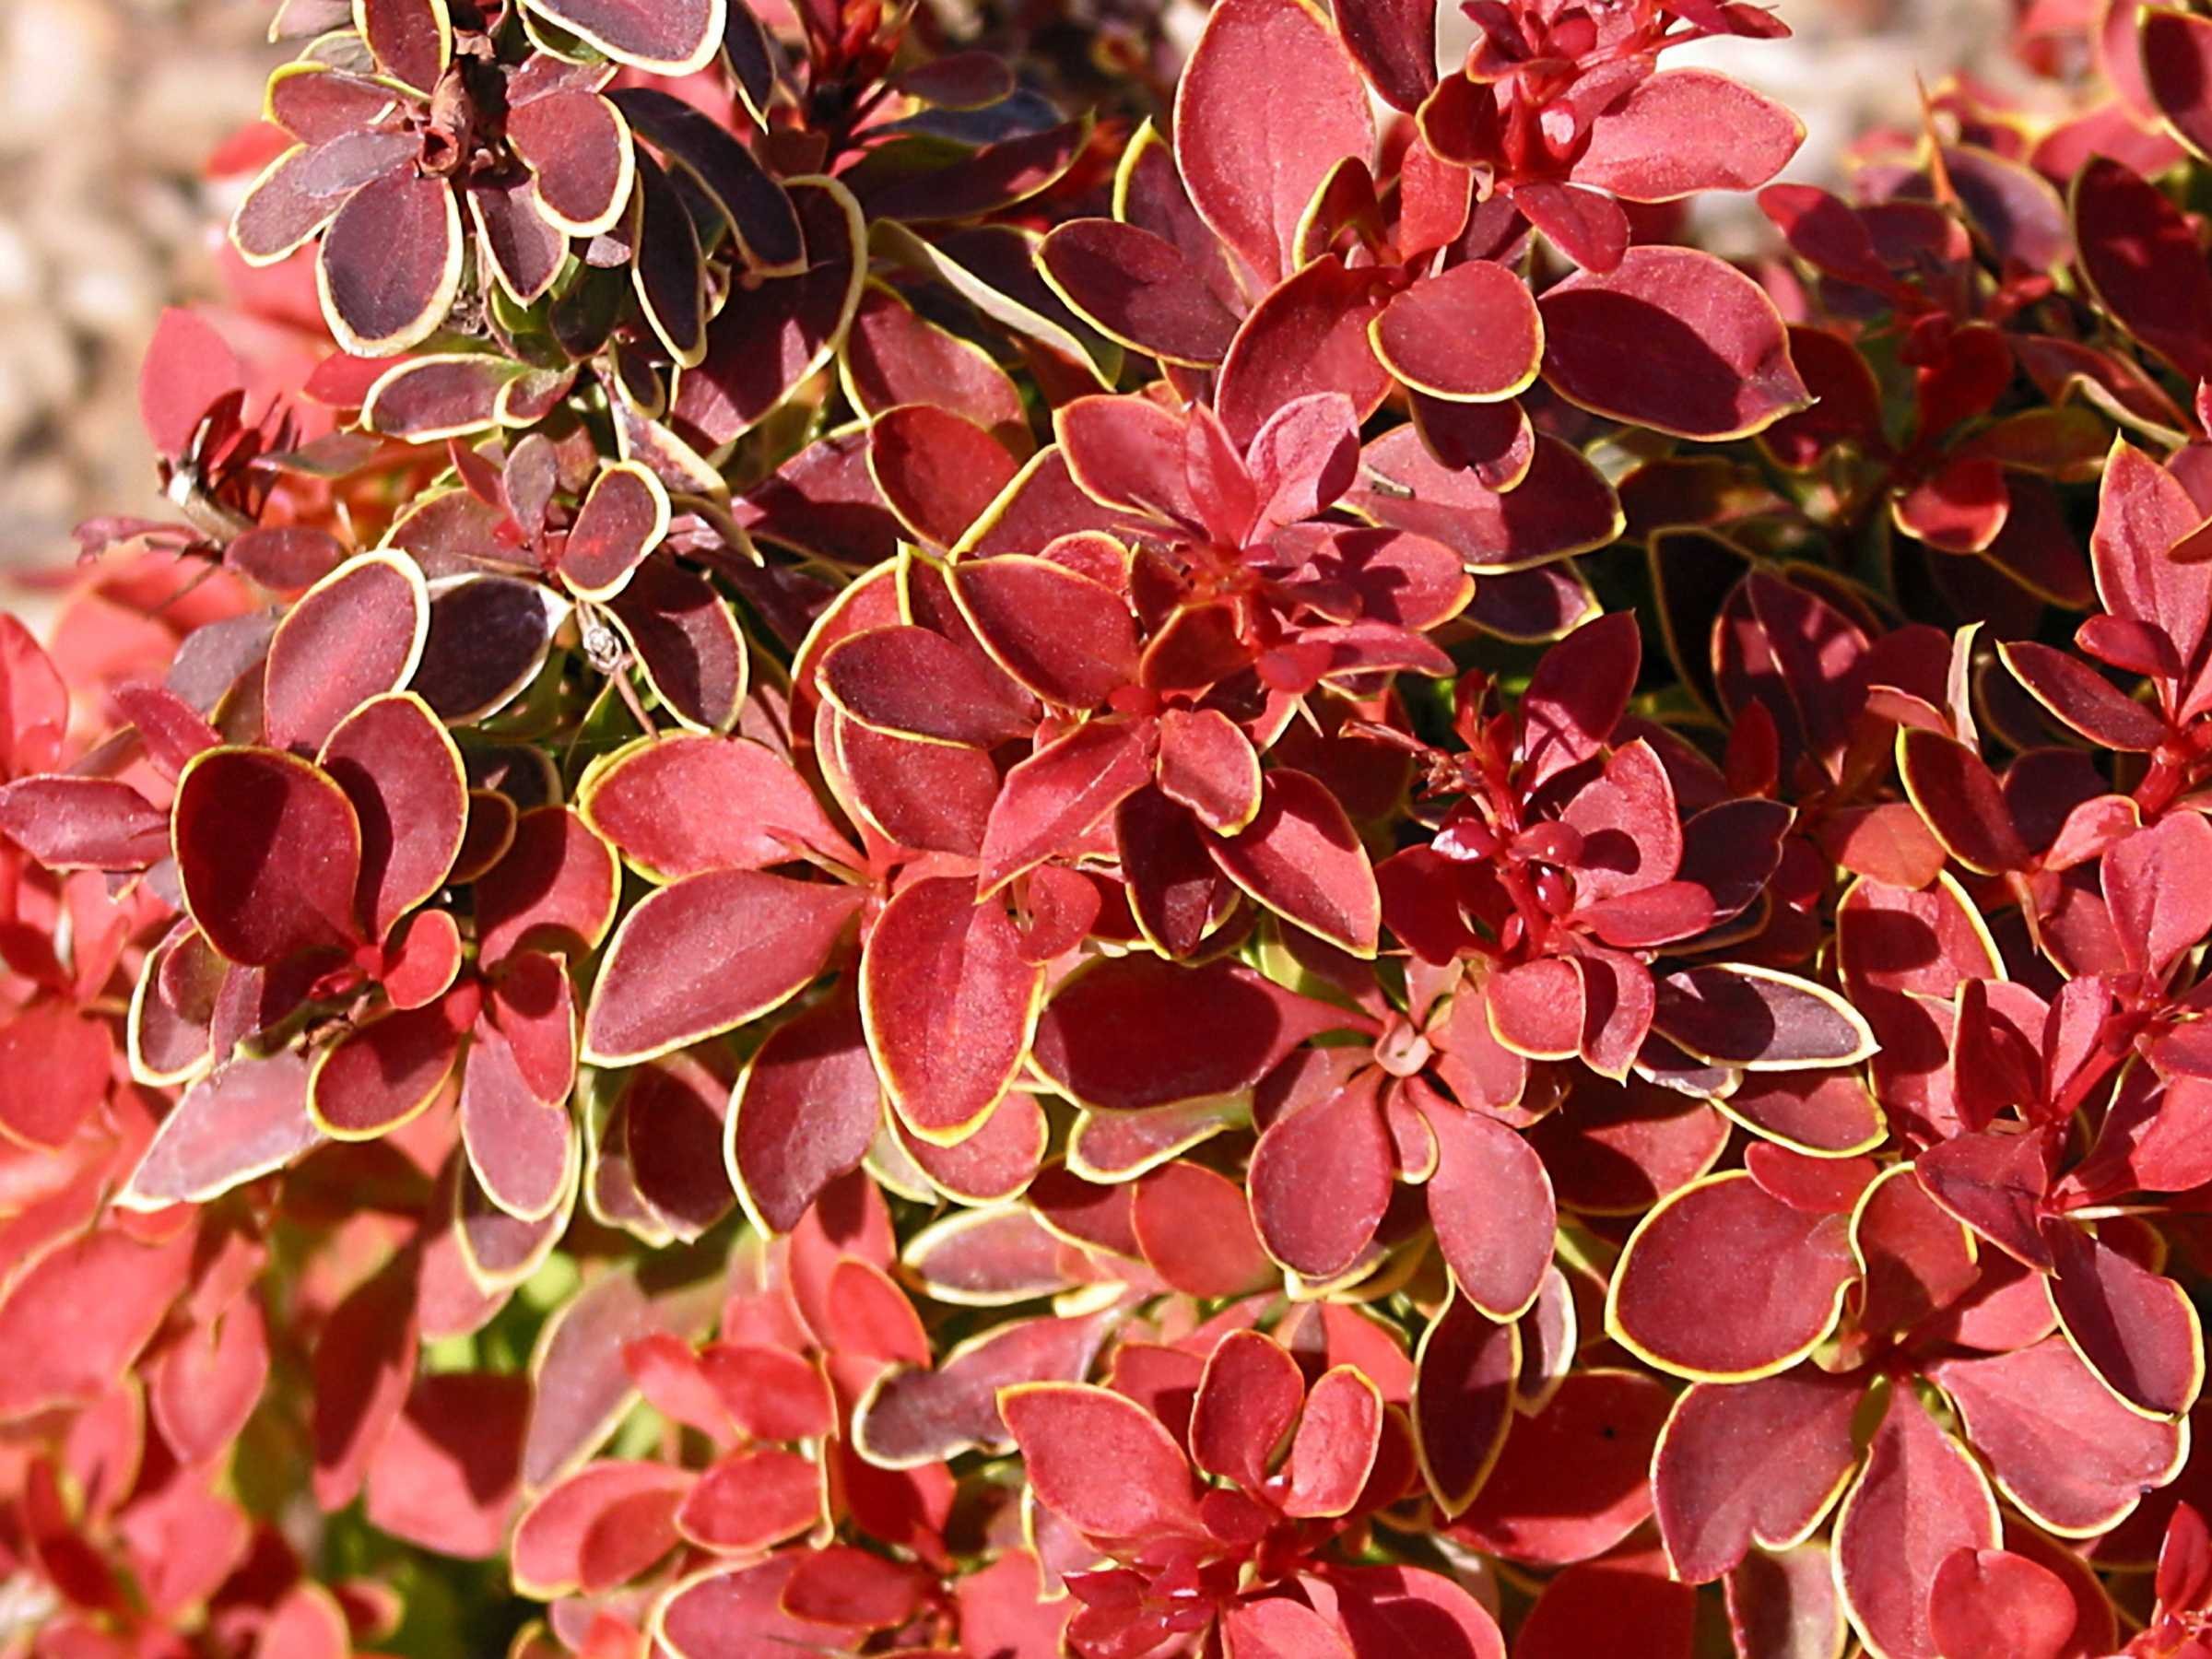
(112, 104)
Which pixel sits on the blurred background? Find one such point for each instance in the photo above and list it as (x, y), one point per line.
(113, 105)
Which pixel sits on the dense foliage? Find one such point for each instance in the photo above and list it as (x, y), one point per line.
(1002, 841)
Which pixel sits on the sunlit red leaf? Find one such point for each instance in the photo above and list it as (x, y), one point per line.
(79, 1313)
(1671, 1306)
(1300, 857)
(1686, 130)
(1672, 339)
(1099, 1461)
(767, 934)
(403, 778)
(240, 1122)
(2018, 1409)
(1491, 1205)
(1195, 1229)
(1919, 1497)
(1268, 77)
(949, 1005)
(356, 633)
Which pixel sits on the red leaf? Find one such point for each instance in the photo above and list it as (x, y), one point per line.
(387, 1070)
(666, 37)
(894, 356)
(761, 212)
(768, 937)
(914, 1416)
(1575, 1479)
(623, 518)
(2153, 883)
(410, 38)
(684, 803)
(2082, 699)
(303, 189)
(1136, 1032)
(78, 1315)
(1247, 1404)
(206, 1384)
(268, 852)
(930, 797)
(2142, 260)
(1491, 1202)
(1463, 1400)
(1208, 764)
(2060, 1446)
(1138, 289)
(1624, 1603)
(429, 397)
(1394, 44)
(1196, 1230)
(1681, 131)
(758, 353)
(2137, 1330)
(908, 681)
(356, 633)
(1128, 453)
(1266, 78)
(1335, 1451)
(242, 1121)
(1618, 1150)
(751, 1499)
(1588, 227)
(936, 469)
(1915, 1257)
(688, 643)
(1918, 1499)
(1275, 1627)
(1990, 1603)
(1471, 333)
(579, 154)
(949, 1005)
(1064, 637)
(1307, 335)
(1567, 507)
(68, 822)
(522, 1148)
(1777, 1603)
(54, 1066)
(1302, 859)
(188, 368)
(390, 264)
(1577, 696)
(446, 1477)
(1741, 1464)
(410, 798)
(556, 888)
(806, 1111)
(1958, 795)
(1335, 1147)
(1060, 794)
(1102, 1463)
(1673, 340)
(1674, 1304)
(364, 1361)
(597, 1528)
(1755, 1017)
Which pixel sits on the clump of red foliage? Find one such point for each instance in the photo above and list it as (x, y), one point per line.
(982, 846)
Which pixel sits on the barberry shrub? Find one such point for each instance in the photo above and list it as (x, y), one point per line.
(986, 840)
